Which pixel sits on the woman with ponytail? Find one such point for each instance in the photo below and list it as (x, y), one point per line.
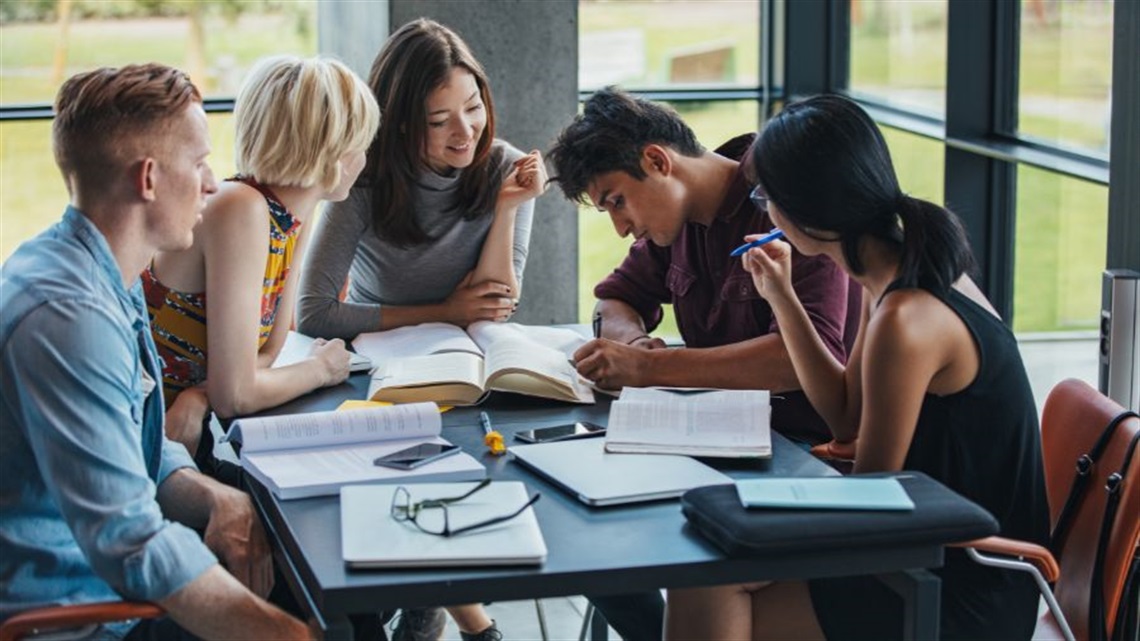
(935, 382)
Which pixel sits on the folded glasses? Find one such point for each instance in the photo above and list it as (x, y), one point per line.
(404, 509)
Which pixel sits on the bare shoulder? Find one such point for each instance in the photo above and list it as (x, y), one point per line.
(908, 323)
(235, 217)
(235, 203)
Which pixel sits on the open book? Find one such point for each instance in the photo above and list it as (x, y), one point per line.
(724, 423)
(443, 363)
(300, 455)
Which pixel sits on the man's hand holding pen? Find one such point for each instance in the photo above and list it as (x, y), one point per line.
(612, 365)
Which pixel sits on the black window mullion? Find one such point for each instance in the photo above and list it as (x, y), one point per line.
(981, 99)
(1123, 251)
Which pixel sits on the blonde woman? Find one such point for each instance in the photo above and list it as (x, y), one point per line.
(303, 127)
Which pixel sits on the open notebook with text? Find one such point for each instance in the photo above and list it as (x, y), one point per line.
(721, 423)
(314, 454)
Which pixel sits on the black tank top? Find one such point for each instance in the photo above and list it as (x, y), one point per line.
(984, 443)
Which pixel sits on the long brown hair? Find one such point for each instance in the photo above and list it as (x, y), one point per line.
(415, 61)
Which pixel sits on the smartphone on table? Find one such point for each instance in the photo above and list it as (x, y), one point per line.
(581, 429)
(412, 457)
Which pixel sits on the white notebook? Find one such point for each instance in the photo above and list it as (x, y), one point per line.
(371, 538)
(693, 422)
(596, 477)
(314, 454)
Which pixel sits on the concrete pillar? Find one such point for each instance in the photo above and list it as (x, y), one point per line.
(529, 49)
(353, 31)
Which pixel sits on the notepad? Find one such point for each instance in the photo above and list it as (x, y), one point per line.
(371, 538)
(840, 493)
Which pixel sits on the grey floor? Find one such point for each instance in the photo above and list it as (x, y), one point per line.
(1048, 360)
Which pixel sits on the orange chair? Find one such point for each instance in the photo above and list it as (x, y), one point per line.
(65, 617)
(1074, 418)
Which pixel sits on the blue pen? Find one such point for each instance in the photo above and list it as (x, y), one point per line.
(766, 238)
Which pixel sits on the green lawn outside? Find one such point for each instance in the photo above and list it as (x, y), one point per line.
(1061, 222)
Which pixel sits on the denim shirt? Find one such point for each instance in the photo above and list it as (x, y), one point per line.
(81, 433)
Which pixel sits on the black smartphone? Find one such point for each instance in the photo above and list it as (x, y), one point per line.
(416, 455)
(581, 429)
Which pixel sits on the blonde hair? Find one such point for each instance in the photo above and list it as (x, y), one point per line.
(295, 118)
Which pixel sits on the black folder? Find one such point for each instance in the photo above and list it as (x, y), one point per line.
(940, 516)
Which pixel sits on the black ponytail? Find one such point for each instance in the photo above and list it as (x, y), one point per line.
(935, 252)
(825, 163)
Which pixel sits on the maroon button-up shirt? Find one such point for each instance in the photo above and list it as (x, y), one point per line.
(715, 302)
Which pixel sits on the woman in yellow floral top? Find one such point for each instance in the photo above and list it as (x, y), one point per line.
(303, 127)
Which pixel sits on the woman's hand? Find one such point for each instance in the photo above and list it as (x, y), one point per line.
(526, 180)
(771, 268)
(488, 300)
(333, 360)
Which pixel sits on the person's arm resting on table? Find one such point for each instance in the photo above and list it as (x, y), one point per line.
(757, 363)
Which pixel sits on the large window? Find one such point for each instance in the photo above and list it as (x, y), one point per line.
(641, 44)
(41, 43)
(898, 52)
(1061, 227)
(1066, 73)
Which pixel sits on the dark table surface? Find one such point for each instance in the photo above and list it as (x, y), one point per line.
(590, 550)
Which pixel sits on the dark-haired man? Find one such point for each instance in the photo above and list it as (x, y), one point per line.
(96, 501)
(688, 208)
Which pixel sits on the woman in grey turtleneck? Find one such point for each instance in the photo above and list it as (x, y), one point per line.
(437, 227)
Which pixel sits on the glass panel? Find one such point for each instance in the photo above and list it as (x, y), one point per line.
(645, 44)
(1062, 227)
(32, 193)
(215, 42)
(1066, 72)
(919, 163)
(600, 249)
(898, 52)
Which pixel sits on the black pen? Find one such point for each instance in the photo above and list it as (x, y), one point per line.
(597, 324)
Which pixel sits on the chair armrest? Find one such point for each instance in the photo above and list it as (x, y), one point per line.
(835, 450)
(1039, 557)
(70, 616)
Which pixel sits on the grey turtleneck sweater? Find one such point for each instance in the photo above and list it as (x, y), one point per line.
(380, 273)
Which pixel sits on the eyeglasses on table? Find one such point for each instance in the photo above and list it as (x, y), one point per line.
(404, 509)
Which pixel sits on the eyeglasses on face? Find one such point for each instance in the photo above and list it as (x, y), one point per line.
(759, 198)
(404, 509)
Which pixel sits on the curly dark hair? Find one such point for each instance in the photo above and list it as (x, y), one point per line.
(610, 134)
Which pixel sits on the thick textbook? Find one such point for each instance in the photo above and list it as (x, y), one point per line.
(301, 455)
(721, 423)
(829, 493)
(445, 364)
(371, 538)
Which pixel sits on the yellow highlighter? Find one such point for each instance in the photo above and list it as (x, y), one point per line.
(491, 438)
